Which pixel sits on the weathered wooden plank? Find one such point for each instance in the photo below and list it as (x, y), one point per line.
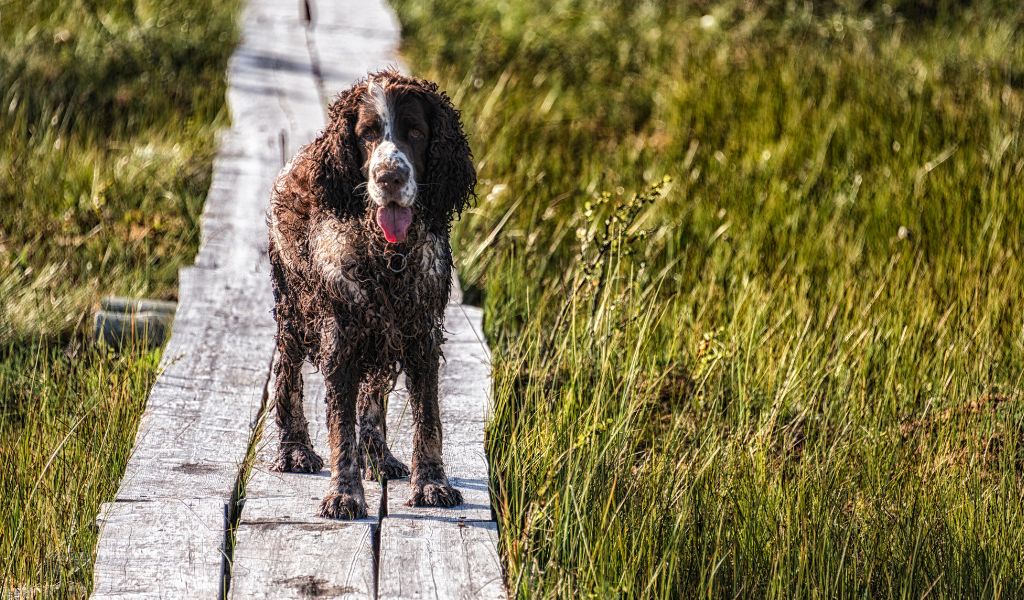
(426, 558)
(283, 549)
(131, 569)
(351, 38)
(195, 430)
(275, 107)
(464, 324)
(164, 534)
(303, 560)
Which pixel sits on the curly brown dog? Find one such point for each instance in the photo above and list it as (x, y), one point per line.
(361, 259)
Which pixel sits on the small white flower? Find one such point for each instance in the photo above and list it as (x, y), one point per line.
(497, 191)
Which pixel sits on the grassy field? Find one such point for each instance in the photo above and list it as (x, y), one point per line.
(108, 112)
(752, 274)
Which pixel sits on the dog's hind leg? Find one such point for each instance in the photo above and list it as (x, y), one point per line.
(345, 499)
(372, 419)
(295, 453)
(430, 484)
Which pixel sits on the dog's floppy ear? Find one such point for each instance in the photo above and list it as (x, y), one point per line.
(336, 158)
(450, 177)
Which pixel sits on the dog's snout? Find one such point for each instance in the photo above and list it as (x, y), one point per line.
(391, 177)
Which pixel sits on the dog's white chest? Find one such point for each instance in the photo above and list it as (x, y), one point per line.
(432, 256)
(335, 258)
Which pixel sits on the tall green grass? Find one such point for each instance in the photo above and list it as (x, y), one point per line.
(108, 112)
(794, 369)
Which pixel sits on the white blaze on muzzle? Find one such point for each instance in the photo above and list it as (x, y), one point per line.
(391, 177)
(388, 160)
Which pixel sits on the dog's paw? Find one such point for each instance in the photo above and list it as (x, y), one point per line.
(435, 494)
(297, 458)
(343, 506)
(391, 468)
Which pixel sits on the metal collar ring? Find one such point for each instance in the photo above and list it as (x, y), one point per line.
(397, 262)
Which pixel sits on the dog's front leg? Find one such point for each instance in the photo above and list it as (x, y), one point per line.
(345, 498)
(430, 484)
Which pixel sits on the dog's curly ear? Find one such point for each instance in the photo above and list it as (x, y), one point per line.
(336, 160)
(451, 177)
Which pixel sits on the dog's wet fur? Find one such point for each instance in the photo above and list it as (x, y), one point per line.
(358, 306)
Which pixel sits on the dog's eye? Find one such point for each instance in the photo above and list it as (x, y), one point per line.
(415, 134)
(369, 135)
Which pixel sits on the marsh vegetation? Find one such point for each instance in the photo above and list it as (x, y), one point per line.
(108, 112)
(793, 367)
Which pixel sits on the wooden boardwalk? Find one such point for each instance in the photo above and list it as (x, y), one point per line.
(198, 513)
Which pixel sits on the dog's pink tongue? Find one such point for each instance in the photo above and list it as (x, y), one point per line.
(394, 220)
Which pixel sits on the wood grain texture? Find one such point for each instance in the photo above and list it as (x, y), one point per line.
(164, 534)
(352, 38)
(464, 324)
(304, 560)
(133, 549)
(198, 419)
(163, 537)
(425, 558)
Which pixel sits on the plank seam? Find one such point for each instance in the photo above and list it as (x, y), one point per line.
(309, 20)
(233, 512)
(261, 84)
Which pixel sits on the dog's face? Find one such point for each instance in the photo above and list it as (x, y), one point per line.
(393, 134)
(394, 151)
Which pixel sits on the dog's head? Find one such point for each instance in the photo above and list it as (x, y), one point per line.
(395, 149)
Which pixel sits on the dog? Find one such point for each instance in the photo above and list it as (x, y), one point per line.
(361, 261)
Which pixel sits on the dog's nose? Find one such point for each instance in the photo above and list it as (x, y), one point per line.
(391, 179)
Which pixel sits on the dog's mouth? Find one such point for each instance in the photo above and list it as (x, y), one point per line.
(394, 221)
